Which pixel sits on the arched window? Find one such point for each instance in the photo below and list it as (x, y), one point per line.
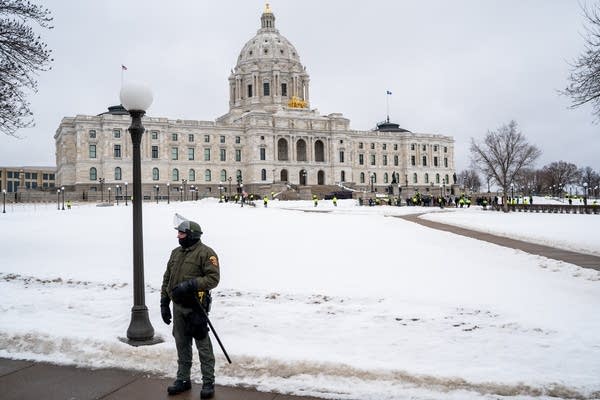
(426, 178)
(117, 173)
(343, 176)
(175, 176)
(207, 175)
(415, 177)
(223, 176)
(424, 161)
(320, 178)
(93, 174)
(282, 150)
(447, 181)
(238, 175)
(374, 177)
(191, 175)
(319, 151)
(385, 178)
(362, 177)
(263, 174)
(301, 150)
(284, 175)
(437, 178)
(155, 174)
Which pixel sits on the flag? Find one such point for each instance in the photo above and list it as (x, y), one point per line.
(388, 92)
(124, 68)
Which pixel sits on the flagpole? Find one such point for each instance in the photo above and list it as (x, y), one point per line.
(387, 105)
(122, 71)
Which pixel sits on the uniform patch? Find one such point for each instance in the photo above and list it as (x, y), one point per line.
(214, 261)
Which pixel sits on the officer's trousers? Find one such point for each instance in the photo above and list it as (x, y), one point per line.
(184, 349)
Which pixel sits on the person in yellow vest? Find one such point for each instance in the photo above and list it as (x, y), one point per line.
(265, 201)
(334, 201)
(315, 200)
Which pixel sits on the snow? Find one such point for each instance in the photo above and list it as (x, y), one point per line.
(339, 302)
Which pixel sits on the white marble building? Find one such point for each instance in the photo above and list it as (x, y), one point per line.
(270, 140)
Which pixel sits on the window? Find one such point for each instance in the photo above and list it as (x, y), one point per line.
(206, 138)
(207, 175)
(435, 147)
(222, 139)
(154, 135)
(360, 145)
(424, 161)
(174, 153)
(190, 137)
(445, 162)
(396, 160)
(374, 177)
(362, 177)
(301, 150)
(415, 178)
(284, 89)
(395, 146)
(27, 175)
(437, 178)
(372, 159)
(426, 178)
(412, 146)
(238, 140)
(175, 175)
(361, 159)
(223, 175)
(263, 154)
(385, 178)
(384, 146)
(92, 134)
(445, 149)
(238, 155)
(118, 174)
(174, 137)
(190, 153)
(93, 174)
(341, 141)
(249, 90)
(447, 181)
(117, 150)
(206, 154)
(117, 133)
(191, 175)
(341, 156)
(435, 161)
(44, 177)
(238, 175)
(155, 152)
(424, 147)
(413, 160)
(155, 174)
(282, 150)
(92, 151)
(372, 146)
(263, 174)
(222, 155)
(343, 176)
(266, 90)
(384, 159)
(319, 151)
(51, 177)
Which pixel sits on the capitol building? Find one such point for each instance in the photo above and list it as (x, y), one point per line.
(269, 141)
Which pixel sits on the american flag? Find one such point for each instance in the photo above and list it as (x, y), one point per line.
(124, 68)
(388, 92)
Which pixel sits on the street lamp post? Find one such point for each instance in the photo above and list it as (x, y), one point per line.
(168, 193)
(242, 192)
(62, 190)
(512, 192)
(180, 193)
(229, 194)
(58, 199)
(3, 201)
(585, 192)
(136, 98)
(109, 194)
(118, 193)
(101, 180)
(303, 177)
(220, 192)
(372, 182)
(184, 181)
(157, 190)
(126, 196)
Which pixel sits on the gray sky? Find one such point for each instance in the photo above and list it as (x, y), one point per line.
(457, 68)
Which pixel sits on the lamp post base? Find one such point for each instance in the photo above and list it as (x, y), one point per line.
(140, 331)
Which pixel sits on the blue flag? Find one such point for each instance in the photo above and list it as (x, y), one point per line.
(388, 92)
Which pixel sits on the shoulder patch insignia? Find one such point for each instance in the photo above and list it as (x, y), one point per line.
(214, 261)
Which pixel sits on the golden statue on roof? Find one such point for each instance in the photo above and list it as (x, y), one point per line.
(267, 9)
(296, 102)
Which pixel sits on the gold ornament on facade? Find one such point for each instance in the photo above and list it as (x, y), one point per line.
(296, 102)
(267, 9)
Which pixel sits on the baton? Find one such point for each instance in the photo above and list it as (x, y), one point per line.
(212, 328)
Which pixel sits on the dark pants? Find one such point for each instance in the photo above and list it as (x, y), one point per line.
(184, 349)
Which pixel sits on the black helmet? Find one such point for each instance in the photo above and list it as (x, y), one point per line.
(191, 228)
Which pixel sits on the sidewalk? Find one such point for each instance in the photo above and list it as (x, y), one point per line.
(571, 257)
(27, 380)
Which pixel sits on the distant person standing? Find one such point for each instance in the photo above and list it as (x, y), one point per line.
(265, 201)
(334, 201)
(192, 271)
(315, 200)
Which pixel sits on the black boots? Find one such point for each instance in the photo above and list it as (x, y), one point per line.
(208, 391)
(179, 386)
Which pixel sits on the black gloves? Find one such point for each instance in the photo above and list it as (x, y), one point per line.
(165, 310)
(184, 292)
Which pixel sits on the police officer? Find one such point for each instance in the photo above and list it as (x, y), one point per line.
(192, 270)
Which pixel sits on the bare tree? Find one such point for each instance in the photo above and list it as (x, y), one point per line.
(529, 181)
(591, 177)
(560, 174)
(503, 154)
(23, 55)
(584, 79)
(469, 178)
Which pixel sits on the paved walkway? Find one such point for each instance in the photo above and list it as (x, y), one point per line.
(582, 260)
(26, 380)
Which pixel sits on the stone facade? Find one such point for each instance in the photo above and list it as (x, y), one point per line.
(270, 140)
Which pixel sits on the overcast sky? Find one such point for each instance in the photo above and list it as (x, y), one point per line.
(457, 68)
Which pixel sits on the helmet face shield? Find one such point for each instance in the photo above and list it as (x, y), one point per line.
(178, 220)
(191, 228)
